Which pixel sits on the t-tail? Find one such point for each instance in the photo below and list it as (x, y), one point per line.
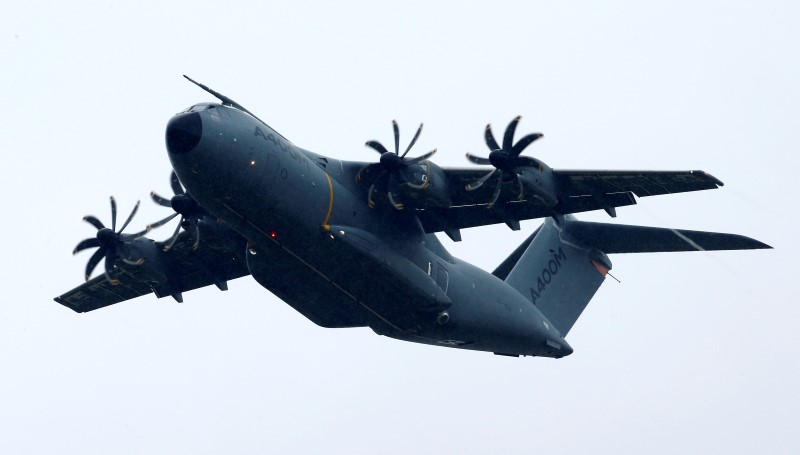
(561, 265)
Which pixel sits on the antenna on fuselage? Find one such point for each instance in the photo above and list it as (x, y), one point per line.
(224, 99)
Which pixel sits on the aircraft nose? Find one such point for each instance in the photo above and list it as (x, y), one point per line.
(184, 132)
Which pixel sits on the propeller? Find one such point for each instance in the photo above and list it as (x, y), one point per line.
(109, 242)
(393, 168)
(183, 205)
(506, 160)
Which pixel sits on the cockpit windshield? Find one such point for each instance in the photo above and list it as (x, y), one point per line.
(199, 107)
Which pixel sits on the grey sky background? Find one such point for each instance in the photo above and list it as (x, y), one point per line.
(691, 353)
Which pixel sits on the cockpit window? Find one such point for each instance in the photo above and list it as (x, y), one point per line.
(198, 107)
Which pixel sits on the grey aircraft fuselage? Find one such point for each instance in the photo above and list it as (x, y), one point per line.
(314, 242)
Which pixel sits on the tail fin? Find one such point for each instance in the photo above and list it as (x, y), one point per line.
(558, 274)
(561, 266)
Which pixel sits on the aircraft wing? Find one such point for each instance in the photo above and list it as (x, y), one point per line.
(217, 260)
(580, 191)
(640, 183)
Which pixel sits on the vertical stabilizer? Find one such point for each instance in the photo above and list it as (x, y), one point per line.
(559, 275)
(561, 266)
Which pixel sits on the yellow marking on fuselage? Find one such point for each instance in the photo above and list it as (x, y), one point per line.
(325, 225)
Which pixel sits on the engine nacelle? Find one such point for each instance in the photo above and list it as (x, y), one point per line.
(430, 189)
(540, 182)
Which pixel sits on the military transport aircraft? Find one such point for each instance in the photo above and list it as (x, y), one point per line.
(352, 244)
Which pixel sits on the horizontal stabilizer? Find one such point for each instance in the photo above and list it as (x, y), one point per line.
(560, 266)
(620, 238)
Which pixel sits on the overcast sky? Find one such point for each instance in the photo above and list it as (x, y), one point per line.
(691, 353)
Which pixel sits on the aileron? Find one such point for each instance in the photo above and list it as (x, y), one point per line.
(640, 183)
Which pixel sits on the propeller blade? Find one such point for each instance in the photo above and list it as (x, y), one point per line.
(395, 204)
(508, 138)
(422, 158)
(196, 235)
(413, 141)
(140, 233)
(407, 175)
(130, 217)
(479, 183)
(521, 194)
(162, 201)
(478, 159)
(88, 243)
(174, 236)
(371, 201)
(113, 214)
(408, 178)
(160, 223)
(93, 261)
(109, 268)
(94, 222)
(524, 142)
(377, 146)
(393, 182)
(496, 194)
(366, 170)
(177, 188)
(487, 134)
(420, 186)
(396, 129)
